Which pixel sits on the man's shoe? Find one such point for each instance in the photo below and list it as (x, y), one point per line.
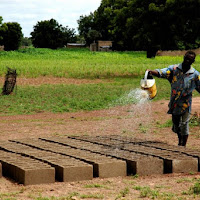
(180, 139)
(185, 138)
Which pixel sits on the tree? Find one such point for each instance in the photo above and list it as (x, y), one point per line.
(183, 23)
(146, 24)
(11, 33)
(50, 34)
(85, 25)
(26, 41)
(93, 35)
(68, 35)
(1, 31)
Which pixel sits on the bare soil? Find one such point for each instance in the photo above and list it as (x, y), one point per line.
(145, 121)
(176, 52)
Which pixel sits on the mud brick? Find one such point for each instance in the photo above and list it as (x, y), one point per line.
(136, 163)
(181, 165)
(31, 176)
(62, 164)
(74, 173)
(26, 170)
(110, 169)
(145, 166)
(0, 170)
(99, 162)
(8, 169)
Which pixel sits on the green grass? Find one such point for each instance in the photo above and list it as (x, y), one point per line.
(70, 98)
(147, 192)
(81, 63)
(168, 123)
(92, 196)
(124, 71)
(95, 186)
(123, 193)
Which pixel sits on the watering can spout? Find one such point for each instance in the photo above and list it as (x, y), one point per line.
(148, 83)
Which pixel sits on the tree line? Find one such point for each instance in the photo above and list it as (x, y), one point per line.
(144, 24)
(131, 24)
(45, 34)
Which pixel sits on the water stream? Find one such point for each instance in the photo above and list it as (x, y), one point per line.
(130, 114)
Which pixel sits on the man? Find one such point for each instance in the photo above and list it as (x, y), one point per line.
(183, 79)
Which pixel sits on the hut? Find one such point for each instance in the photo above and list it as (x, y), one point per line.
(101, 46)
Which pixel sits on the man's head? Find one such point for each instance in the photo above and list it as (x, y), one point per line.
(189, 58)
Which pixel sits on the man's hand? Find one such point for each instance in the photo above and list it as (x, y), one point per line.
(153, 72)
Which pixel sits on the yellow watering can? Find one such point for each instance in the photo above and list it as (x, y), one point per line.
(148, 83)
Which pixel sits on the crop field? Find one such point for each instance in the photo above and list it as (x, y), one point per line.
(120, 72)
(82, 63)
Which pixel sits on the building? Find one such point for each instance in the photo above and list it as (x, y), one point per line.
(75, 45)
(101, 46)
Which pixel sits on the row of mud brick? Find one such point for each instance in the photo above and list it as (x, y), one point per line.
(46, 160)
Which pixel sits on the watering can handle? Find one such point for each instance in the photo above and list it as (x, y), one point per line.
(146, 75)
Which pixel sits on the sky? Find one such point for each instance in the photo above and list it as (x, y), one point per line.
(28, 12)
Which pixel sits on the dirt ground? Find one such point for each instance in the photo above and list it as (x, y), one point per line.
(143, 120)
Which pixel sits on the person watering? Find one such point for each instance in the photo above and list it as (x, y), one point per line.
(183, 79)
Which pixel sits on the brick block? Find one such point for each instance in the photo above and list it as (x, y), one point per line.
(181, 165)
(74, 173)
(110, 169)
(35, 176)
(185, 165)
(145, 166)
(0, 170)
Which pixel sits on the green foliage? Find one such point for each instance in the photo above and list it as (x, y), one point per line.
(71, 196)
(26, 42)
(61, 98)
(50, 34)
(1, 19)
(123, 193)
(142, 25)
(95, 186)
(1, 33)
(195, 189)
(93, 35)
(85, 26)
(147, 192)
(92, 196)
(135, 176)
(11, 34)
(118, 72)
(195, 120)
(81, 63)
(66, 98)
(168, 123)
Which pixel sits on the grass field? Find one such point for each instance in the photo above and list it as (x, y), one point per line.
(81, 63)
(123, 70)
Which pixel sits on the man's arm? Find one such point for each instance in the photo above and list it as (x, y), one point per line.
(153, 72)
(197, 82)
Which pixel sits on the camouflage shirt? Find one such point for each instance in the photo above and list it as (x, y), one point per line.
(182, 85)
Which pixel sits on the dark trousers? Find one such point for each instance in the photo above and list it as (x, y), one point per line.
(181, 123)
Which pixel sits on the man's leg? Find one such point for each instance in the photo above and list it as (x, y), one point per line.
(184, 127)
(176, 127)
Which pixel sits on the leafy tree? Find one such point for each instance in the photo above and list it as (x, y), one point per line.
(85, 25)
(93, 35)
(183, 23)
(26, 41)
(1, 31)
(68, 35)
(11, 33)
(146, 24)
(50, 34)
